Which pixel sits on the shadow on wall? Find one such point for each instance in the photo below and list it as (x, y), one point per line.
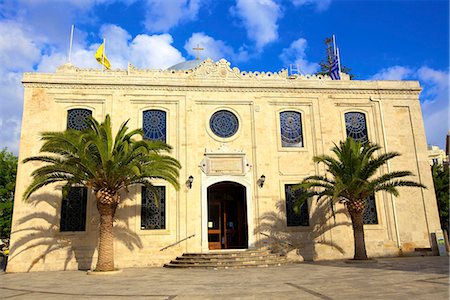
(300, 241)
(31, 237)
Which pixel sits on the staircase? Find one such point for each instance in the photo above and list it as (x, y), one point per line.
(227, 260)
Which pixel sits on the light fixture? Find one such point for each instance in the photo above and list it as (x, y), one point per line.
(189, 182)
(261, 181)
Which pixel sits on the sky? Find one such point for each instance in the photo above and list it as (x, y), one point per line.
(378, 40)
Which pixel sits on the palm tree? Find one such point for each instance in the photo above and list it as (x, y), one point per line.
(107, 165)
(352, 181)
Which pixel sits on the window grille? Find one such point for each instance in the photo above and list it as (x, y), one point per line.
(154, 125)
(224, 124)
(291, 129)
(73, 210)
(370, 212)
(355, 125)
(293, 219)
(153, 215)
(76, 118)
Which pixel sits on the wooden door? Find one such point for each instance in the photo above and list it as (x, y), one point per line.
(215, 221)
(227, 217)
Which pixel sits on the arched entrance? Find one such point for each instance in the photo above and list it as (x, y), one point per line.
(227, 216)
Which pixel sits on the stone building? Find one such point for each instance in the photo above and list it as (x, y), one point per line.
(243, 139)
(436, 156)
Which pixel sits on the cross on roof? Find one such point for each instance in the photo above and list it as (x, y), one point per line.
(198, 49)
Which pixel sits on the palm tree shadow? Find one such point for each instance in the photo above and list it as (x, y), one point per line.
(38, 238)
(298, 243)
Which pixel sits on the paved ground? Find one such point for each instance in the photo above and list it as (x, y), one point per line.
(391, 278)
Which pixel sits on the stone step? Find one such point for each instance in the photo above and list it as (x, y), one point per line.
(227, 259)
(218, 259)
(223, 266)
(252, 253)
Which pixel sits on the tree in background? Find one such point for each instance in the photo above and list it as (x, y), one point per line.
(325, 64)
(8, 171)
(441, 187)
(352, 179)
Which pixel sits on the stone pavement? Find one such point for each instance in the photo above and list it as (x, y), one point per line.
(388, 278)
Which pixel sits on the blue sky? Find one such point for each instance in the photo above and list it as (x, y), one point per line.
(386, 40)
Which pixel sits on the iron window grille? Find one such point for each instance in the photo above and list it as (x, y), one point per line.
(73, 210)
(292, 218)
(153, 214)
(370, 212)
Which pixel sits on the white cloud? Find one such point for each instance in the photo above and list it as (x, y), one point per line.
(296, 54)
(435, 104)
(17, 50)
(393, 73)
(154, 51)
(320, 5)
(11, 112)
(162, 15)
(259, 18)
(214, 49)
(144, 51)
(434, 97)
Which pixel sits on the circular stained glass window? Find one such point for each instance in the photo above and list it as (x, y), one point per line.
(224, 124)
(76, 118)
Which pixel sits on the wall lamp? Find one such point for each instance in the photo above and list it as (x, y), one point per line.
(189, 182)
(261, 181)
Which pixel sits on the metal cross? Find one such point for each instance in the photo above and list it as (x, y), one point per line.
(198, 49)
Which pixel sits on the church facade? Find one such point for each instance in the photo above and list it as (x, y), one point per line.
(243, 139)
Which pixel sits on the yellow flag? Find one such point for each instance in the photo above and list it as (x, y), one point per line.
(101, 57)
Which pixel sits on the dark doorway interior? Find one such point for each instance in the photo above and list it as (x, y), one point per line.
(227, 216)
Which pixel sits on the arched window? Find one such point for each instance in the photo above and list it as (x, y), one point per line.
(73, 207)
(355, 125)
(154, 125)
(291, 129)
(76, 118)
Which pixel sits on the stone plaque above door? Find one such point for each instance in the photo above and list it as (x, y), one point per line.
(223, 161)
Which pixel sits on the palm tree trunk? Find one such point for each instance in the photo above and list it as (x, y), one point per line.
(356, 210)
(107, 210)
(358, 236)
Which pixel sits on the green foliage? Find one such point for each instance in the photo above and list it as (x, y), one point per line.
(441, 187)
(8, 171)
(93, 158)
(353, 174)
(325, 64)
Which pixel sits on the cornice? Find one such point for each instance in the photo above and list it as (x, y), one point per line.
(283, 90)
(210, 76)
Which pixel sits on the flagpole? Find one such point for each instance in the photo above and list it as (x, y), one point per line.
(70, 45)
(334, 45)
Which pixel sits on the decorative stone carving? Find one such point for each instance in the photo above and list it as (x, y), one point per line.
(224, 161)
